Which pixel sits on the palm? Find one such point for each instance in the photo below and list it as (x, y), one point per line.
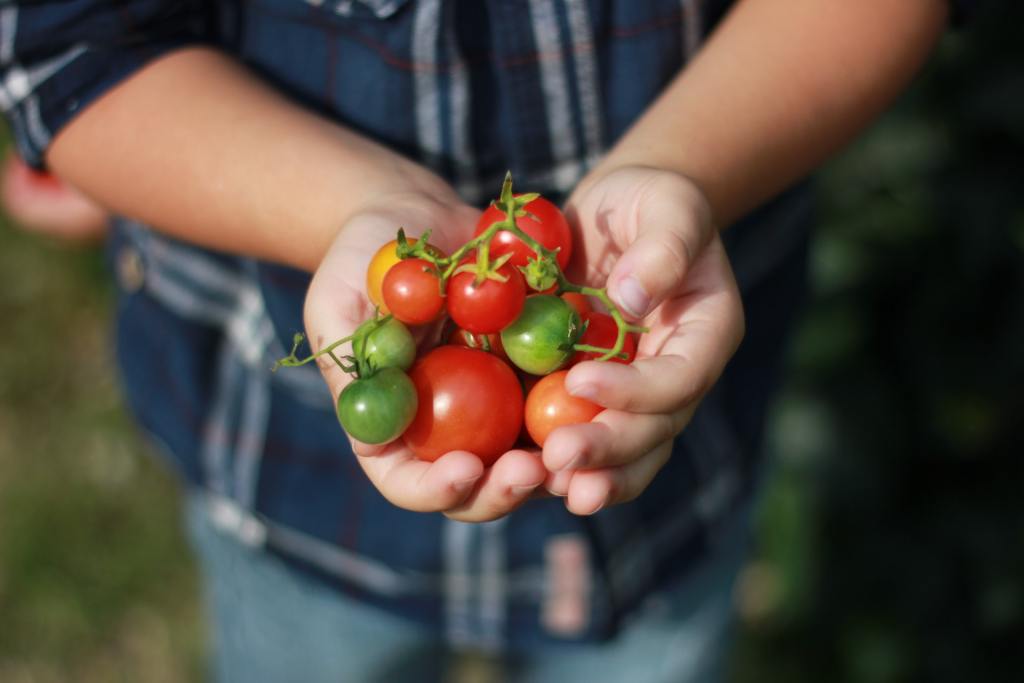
(651, 225)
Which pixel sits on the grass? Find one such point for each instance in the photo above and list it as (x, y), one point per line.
(96, 582)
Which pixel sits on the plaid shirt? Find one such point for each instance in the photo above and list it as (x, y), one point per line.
(541, 87)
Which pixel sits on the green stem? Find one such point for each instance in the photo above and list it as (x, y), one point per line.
(359, 366)
(291, 361)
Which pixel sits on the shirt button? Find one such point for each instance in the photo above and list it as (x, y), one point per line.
(130, 273)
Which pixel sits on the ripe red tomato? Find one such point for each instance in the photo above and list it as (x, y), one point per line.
(461, 337)
(579, 302)
(487, 307)
(412, 291)
(551, 229)
(380, 264)
(602, 331)
(549, 406)
(468, 400)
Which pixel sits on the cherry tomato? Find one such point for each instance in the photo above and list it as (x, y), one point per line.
(540, 340)
(380, 264)
(549, 406)
(388, 346)
(578, 301)
(489, 306)
(378, 408)
(551, 230)
(602, 331)
(468, 400)
(412, 291)
(490, 343)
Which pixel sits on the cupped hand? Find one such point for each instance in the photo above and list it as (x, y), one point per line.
(648, 234)
(336, 303)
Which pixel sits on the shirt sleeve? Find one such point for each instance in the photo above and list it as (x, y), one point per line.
(58, 56)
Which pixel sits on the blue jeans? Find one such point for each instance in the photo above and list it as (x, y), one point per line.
(273, 624)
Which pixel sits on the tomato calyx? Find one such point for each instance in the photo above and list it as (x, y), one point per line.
(484, 268)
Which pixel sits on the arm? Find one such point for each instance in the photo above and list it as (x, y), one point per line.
(196, 146)
(780, 86)
(252, 173)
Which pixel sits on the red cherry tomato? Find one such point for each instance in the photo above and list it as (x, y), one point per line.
(551, 230)
(602, 331)
(489, 306)
(579, 302)
(490, 343)
(550, 406)
(412, 291)
(468, 400)
(380, 264)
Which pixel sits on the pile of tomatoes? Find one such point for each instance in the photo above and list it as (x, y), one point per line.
(513, 326)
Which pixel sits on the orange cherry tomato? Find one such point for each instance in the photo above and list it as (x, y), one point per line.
(549, 406)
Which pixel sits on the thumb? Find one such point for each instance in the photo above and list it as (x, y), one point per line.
(672, 227)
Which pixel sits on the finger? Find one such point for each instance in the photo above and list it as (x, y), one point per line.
(509, 482)
(672, 226)
(593, 490)
(422, 486)
(613, 438)
(557, 483)
(329, 318)
(655, 384)
(692, 338)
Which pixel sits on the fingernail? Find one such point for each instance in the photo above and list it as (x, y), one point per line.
(585, 514)
(585, 390)
(632, 296)
(519, 491)
(465, 485)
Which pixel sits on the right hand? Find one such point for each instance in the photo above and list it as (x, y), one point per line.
(456, 484)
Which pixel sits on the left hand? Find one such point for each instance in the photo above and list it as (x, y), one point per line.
(648, 234)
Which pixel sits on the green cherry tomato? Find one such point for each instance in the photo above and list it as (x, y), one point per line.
(377, 409)
(389, 346)
(541, 338)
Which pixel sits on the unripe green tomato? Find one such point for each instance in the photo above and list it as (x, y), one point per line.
(389, 346)
(378, 408)
(541, 338)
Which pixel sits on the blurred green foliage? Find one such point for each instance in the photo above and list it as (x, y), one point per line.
(892, 537)
(891, 534)
(95, 580)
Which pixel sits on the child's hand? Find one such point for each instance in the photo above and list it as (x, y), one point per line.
(336, 304)
(649, 234)
(44, 204)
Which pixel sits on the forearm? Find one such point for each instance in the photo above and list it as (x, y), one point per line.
(780, 86)
(196, 146)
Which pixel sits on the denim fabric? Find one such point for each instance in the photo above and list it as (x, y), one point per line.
(272, 623)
